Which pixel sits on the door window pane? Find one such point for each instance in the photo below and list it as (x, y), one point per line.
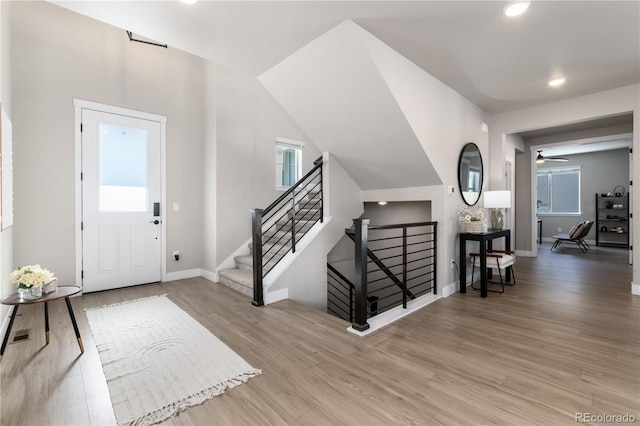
(123, 169)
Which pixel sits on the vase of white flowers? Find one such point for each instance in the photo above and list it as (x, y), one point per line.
(473, 220)
(30, 279)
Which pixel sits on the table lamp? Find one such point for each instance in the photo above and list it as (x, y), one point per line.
(496, 201)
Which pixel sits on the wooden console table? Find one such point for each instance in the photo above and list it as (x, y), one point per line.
(486, 244)
(62, 292)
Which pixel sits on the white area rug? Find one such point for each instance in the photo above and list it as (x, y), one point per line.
(159, 361)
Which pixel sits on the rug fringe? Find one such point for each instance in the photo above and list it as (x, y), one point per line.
(178, 407)
(125, 302)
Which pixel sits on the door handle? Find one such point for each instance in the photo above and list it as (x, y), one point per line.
(155, 222)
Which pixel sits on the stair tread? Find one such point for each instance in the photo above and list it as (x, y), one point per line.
(242, 277)
(246, 259)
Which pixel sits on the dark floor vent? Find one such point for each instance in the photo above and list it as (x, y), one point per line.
(20, 335)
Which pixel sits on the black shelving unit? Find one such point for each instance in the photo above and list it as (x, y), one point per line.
(612, 221)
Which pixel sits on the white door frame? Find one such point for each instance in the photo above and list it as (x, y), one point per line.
(79, 105)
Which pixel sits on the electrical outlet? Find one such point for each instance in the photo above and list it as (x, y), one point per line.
(176, 255)
(559, 229)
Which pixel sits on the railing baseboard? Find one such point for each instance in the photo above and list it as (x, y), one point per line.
(392, 315)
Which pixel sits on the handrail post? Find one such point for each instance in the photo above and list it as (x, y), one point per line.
(321, 191)
(256, 235)
(350, 304)
(293, 222)
(435, 258)
(361, 236)
(404, 267)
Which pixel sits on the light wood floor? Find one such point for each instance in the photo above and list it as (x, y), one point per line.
(564, 340)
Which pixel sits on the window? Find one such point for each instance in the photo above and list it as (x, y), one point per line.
(123, 169)
(288, 162)
(558, 191)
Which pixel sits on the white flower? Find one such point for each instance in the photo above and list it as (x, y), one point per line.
(466, 215)
(31, 276)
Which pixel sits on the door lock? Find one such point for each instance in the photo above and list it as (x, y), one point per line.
(155, 222)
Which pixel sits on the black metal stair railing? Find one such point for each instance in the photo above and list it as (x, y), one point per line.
(393, 263)
(340, 296)
(371, 255)
(276, 229)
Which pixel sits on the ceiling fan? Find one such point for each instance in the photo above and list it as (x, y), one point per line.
(541, 159)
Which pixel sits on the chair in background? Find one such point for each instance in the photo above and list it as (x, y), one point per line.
(576, 235)
(496, 259)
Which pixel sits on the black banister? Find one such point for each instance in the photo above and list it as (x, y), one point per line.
(256, 239)
(293, 223)
(285, 221)
(342, 277)
(404, 267)
(349, 284)
(409, 251)
(379, 263)
(317, 165)
(360, 286)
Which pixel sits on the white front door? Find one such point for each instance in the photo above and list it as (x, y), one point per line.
(121, 193)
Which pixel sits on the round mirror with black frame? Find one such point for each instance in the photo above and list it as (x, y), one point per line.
(470, 173)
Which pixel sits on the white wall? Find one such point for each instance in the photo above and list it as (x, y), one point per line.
(602, 104)
(209, 170)
(58, 56)
(248, 120)
(6, 236)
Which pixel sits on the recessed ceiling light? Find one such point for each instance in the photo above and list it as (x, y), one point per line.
(557, 82)
(382, 203)
(188, 1)
(516, 8)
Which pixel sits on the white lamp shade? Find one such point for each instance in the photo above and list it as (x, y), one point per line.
(497, 199)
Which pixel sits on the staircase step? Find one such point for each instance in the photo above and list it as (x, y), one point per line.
(284, 230)
(244, 263)
(277, 248)
(238, 280)
(306, 213)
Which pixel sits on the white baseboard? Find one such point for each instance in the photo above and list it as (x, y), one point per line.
(211, 276)
(392, 315)
(524, 253)
(635, 289)
(181, 275)
(450, 289)
(276, 296)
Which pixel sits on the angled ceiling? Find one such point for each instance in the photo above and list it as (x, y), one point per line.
(496, 62)
(354, 113)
